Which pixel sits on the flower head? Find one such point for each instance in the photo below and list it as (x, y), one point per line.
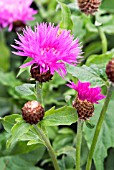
(47, 48)
(85, 92)
(12, 11)
(87, 96)
(32, 112)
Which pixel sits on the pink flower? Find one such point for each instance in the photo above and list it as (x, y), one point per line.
(15, 10)
(85, 92)
(48, 48)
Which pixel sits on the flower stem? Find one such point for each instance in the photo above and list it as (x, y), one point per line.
(48, 145)
(103, 39)
(39, 92)
(99, 126)
(78, 143)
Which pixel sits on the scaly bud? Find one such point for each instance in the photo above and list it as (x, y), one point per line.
(84, 108)
(110, 70)
(32, 112)
(89, 6)
(41, 77)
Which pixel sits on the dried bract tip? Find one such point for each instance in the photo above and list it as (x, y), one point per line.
(89, 6)
(110, 70)
(84, 108)
(32, 112)
(38, 75)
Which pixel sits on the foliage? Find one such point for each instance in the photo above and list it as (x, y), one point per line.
(20, 145)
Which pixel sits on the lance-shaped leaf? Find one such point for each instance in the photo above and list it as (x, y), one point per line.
(66, 22)
(63, 116)
(91, 74)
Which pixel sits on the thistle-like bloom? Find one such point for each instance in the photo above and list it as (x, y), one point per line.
(87, 96)
(85, 92)
(48, 48)
(12, 11)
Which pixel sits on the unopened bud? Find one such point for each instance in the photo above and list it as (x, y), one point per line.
(89, 6)
(110, 70)
(32, 112)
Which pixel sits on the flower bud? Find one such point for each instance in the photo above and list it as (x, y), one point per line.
(89, 6)
(32, 112)
(84, 108)
(110, 70)
(41, 77)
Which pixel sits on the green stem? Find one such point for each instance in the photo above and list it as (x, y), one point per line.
(103, 39)
(39, 92)
(98, 127)
(48, 145)
(78, 143)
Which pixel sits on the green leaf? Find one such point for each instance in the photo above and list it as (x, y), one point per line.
(24, 69)
(18, 130)
(107, 6)
(66, 22)
(9, 121)
(86, 74)
(106, 21)
(55, 95)
(8, 79)
(63, 139)
(100, 59)
(23, 161)
(5, 105)
(92, 48)
(78, 27)
(4, 57)
(52, 132)
(109, 162)
(25, 89)
(106, 137)
(63, 116)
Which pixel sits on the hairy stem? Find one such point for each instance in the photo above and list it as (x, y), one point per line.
(78, 143)
(48, 145)
(98, 127)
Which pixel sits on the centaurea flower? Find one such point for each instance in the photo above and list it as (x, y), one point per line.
(48, 49)
(86, 97)
(12, 11)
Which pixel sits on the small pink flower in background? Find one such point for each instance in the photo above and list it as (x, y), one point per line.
(15, 10)
(85, 92)
(48, 48)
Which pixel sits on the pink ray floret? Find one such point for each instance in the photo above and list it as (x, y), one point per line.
(48, 48)
(15, 10)
(85, 92)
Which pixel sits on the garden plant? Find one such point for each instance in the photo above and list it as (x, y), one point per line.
(56, 85)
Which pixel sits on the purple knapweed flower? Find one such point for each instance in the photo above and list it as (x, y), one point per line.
(87, 96)
(85, 92)
(48, 47)
(12, 11)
